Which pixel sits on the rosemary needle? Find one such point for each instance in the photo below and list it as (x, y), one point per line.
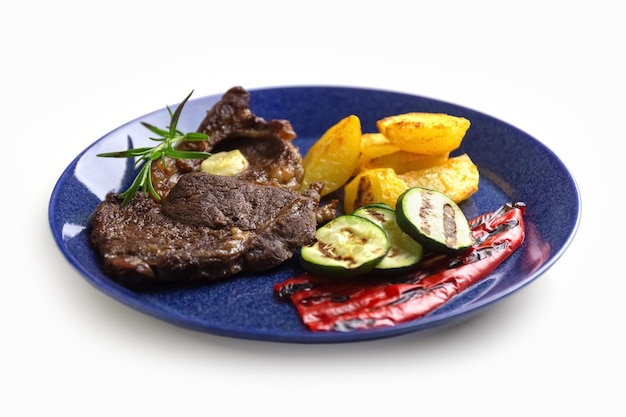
(168, 139)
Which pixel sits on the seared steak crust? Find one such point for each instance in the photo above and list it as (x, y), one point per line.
(209, 227)
(232, 117)
(230, 124)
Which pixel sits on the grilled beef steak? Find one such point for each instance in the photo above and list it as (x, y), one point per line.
(230, 124)
(208, 227)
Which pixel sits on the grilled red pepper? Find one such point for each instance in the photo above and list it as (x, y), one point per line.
(369, 302)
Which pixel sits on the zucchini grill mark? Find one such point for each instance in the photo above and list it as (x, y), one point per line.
(326, 304)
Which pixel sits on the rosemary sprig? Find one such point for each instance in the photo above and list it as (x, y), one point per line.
(168, 139)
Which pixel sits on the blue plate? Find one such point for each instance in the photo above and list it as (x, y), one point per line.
(513, 165)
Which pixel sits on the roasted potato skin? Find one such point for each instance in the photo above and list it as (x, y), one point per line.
(457, 178)
(410, 149)
(377, 185)
(403, 161)
(333, 158)
(374, 145)
(424, 133)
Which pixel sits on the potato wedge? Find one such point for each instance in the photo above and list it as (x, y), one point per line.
(374, 145)
(457, 177)
(424, 133)
(333, 157)
(402, 161)
(380, 185)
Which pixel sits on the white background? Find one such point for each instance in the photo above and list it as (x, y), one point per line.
(73, 71)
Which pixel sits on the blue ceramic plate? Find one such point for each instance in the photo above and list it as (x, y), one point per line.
(513, 165)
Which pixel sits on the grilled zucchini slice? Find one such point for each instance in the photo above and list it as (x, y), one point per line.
(405, 252)
(434, 220)
(346, 246)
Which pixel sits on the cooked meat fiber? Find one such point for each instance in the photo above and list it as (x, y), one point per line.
(232, 117)
(207, 228)
(266, 144)
(230, 124)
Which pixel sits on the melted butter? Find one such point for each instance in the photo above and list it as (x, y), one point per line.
(228, 163)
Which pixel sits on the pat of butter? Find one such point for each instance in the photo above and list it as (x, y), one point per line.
(225, 163)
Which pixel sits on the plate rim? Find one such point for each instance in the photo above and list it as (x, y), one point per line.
(123, 295)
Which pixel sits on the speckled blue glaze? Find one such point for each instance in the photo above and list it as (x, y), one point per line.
(513, 165)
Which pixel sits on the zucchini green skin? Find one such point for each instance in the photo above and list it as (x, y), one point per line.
(382, 205)
(346, 246)
(405, 252)
(434, 220)
(330, 305)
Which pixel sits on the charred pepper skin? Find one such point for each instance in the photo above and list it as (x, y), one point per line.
(365, 303)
